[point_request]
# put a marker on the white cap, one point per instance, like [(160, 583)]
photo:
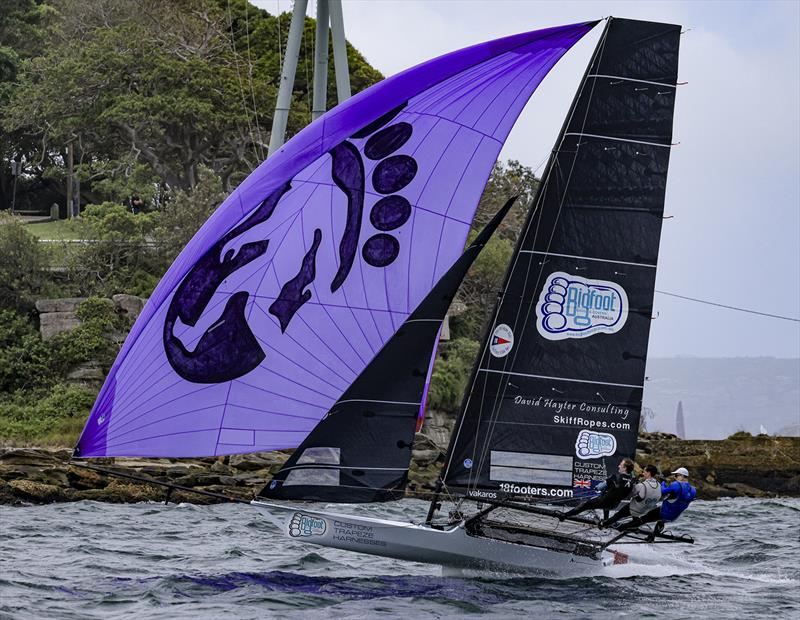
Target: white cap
[(682, 471)]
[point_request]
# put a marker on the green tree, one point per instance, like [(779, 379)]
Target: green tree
[(24, 358), (184, 213), (22, 266), (118, 256), (451, 372), (150, 91), (22, 36), (478, 292)]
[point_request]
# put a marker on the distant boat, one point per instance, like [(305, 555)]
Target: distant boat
[(281, 326), (680, 425)]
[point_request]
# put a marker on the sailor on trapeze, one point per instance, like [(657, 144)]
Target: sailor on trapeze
[(646, 496), (677, 496), (615, 488)]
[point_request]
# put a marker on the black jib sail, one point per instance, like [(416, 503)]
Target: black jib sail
[(555, 398), (361, 450)]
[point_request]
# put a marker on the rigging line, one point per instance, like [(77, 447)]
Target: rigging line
[(239, 80), (495, 412), (305, 65), (280, 42), (737, 308), (250, 79)]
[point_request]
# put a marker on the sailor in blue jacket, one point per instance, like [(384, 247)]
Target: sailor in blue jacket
[(677, 496)]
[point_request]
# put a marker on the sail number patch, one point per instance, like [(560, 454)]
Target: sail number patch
[(573, 307)]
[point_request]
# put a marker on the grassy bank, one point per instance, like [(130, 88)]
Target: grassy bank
[(60, 230), (48, 417)]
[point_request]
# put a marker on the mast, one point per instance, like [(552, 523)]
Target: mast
[(532, 208)]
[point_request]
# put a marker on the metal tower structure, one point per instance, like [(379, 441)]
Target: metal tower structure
[(329, 14)]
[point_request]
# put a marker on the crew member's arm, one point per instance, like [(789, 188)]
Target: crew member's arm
[(668, 492), (607, 485)]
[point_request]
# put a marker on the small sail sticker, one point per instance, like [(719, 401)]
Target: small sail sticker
[(502, 340), (574, 307), (593, 445)]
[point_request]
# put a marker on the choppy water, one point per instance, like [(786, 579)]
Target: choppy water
[(92, 560)]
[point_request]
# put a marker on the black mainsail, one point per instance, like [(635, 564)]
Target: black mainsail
[(556, 395), (361, 450)]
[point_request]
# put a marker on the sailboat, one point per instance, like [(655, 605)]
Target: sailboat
[(305, 313)]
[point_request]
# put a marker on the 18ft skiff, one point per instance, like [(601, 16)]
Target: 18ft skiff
[(305, 313)]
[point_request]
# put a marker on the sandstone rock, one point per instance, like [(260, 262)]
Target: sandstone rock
[(36, 492), (746, 490), (33, 456), (424, 442), (59, 305), (54, 323), (220, 468), (82, 479), (257, 460), (87, 372), (252, 479), (197, 479), (425, 457), (130, 304)]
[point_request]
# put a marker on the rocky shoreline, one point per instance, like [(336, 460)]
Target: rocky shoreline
[(743, 466)]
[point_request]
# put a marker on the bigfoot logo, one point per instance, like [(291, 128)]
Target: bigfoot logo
[(304, 525), (574, 307)]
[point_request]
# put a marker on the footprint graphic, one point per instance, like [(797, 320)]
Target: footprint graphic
[(294, 525), (392, 174), (553, 308), (592, 445)]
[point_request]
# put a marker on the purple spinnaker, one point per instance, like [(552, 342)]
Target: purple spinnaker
[(292, 286)]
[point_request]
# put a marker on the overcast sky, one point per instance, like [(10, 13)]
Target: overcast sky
[(734, 182)]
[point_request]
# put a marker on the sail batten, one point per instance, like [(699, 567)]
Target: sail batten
[(303, 274)]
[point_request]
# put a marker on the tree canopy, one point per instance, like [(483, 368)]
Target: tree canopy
[(147, 91)]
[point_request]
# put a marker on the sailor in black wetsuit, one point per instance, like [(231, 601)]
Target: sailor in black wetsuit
[(615, 488)]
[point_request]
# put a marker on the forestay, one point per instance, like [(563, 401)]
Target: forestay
[(311, 265), (555, 399)]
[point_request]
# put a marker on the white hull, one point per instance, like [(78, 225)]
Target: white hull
[(451, 547)]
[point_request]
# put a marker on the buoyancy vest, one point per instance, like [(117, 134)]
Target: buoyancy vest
[(648, 492), (678, 497)]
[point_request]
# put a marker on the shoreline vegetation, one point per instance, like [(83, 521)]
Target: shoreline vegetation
[(740, 466)]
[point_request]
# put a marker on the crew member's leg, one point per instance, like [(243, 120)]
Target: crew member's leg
[(650, 517), (625, 511), (632, 524), (595, 502), (653, 515)]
